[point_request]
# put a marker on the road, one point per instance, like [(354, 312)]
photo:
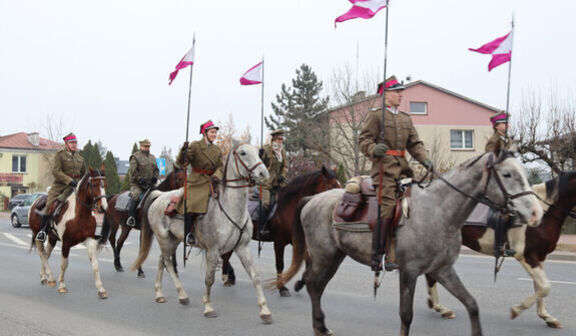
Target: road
[(28, 308)]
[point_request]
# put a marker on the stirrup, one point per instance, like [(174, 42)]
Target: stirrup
[(131, 222), (509, 252), (190, 239), (41, 236), (390, 266)]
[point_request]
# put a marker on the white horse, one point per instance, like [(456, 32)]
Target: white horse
[(225, 227)]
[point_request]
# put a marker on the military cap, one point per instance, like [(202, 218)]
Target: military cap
[(208, 125), (277, 132), (391, 85), (499, 118), (70, 137), (145, 142)]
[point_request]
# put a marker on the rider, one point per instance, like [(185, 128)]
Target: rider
[(205, 158), (388, 148), (67, 168), (500, 126), (273, 156), (143, 175)]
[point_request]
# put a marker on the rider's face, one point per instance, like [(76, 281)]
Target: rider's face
[(211, 134), (393, 98), (72, 145)]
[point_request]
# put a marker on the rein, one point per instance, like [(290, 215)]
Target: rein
[(96, 199)]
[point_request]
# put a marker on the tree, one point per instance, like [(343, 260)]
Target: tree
[(126, 180), (91, 154), (112, 179), (228, 137), (166, 154), (302, 113)]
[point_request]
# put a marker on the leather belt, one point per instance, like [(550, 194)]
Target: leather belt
[(202, 171), (394, 152)]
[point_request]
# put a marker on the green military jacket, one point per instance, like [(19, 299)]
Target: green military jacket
[(399, 134), (143, 166), (495, 138), (67, 166), (205, 160), (275, 168)]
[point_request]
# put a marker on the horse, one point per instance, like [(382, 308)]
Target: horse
[(428, 240), (74, 225), (560, 194), (281, 222), (225, 227), (113, 218)]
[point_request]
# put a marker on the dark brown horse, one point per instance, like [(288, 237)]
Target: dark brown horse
[(114, 219), (560, 197), (281, 222), (74, 225)]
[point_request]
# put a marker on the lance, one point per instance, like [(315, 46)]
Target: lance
[(509, 72), (186, 229), (261, 215)]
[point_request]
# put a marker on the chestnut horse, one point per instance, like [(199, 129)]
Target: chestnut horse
[(560, 195), (114, 219), (281, 222), (75, 224)]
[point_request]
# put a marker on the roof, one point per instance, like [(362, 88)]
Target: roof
[(25, 140)]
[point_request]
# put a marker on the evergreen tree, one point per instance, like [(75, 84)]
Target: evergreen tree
[(302, 113), (91, 154), (126, 180), (112, 179)]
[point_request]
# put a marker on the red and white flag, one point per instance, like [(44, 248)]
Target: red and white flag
[(364, 9), (252, 76), (187, 60), (500, 49)]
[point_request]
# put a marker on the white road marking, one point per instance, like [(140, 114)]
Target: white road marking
[(552, 281), (16, 239)]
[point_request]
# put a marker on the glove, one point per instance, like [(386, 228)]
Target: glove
[(142, 181), (214, 180), (428, 164), (380, 150), (154, 180), (261, 153), (73, 183), (185, 145), (281, 179)]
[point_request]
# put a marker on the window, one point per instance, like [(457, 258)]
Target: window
[(18, 163), (418, 108), (461, 139)]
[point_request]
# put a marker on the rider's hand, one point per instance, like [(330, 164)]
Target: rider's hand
[(73, 183), (141, 181), (281, 179), (261, 153), (185, 145), (380, 150), (214, 179), (154, 180)]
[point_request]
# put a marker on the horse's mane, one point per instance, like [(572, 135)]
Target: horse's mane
[(166, 180), (562, 179), (295, 186)]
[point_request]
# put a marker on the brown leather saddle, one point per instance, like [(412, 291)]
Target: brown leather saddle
[(358, 212), (54, 209)]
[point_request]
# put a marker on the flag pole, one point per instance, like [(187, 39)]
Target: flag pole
[(376, 255), (186, 168), (510, 70), (261, 147)]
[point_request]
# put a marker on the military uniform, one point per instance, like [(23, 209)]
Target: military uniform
[(278, 170), (494, 139), (68, 166), (143, 172)]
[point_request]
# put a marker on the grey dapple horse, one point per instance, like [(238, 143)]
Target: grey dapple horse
[(428, 241), (225, 227)]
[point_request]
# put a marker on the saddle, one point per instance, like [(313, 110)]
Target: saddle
[(254, 209), (56, 208), (124, 197)]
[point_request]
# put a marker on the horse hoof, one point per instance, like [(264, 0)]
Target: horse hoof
[(43, 282), (448, 315), (102, 295), (63, 290), (161, 299), (52, 283), (284, 292), (299, 285), (328, 332), (430, 304), (210, 314), (554, 324), (266, 318), (513, 314), (184, 301), (141, 275), (119, 268)]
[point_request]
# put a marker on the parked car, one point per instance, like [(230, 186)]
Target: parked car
[(19, 214), (17, 200)]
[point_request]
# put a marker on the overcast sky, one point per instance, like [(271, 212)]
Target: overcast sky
[(101, 67)]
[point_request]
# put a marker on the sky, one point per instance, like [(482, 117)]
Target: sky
[(100, 68)]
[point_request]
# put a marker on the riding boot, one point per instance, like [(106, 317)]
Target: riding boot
[(390, 258), (41, 235), (263, 229), (378, 244), (131, 221), (189, 219)]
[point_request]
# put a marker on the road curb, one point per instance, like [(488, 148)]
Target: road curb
[(556, 255)]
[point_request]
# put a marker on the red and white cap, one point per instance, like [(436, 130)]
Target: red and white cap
[(391, 85)]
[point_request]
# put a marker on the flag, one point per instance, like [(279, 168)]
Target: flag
[(365, 9), (252, 76), (187, 60), (500, 49)]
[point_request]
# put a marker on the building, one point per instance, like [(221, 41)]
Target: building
[(453, 127), (25, 160)]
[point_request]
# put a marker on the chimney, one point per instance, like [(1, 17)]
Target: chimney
[(34, 138)]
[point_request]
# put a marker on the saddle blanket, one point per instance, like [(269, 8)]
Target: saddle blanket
[(254, 210), (479, 216), (124, 198)]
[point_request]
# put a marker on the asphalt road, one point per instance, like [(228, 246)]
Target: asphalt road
[(28, 308)]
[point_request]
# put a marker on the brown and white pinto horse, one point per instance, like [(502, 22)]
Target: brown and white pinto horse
[(280, 224), (75, 224), (559, 195), (114, 219)]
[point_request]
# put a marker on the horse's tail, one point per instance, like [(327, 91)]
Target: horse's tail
[(105, 231), (146, 233), (298, 246)]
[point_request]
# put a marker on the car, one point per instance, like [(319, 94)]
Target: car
[(17, 200), (19, 214)]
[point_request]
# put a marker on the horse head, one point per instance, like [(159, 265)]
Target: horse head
[(506, 186), (244, 162), (329, 180), (91, 191), (174, 180)]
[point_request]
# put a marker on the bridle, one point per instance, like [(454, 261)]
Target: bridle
[(95, 200), (246, 180)]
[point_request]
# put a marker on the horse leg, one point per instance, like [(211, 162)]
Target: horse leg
[(316, 276), (212, 259), (160, 298), (63, 266), (245, 256), (434, 299), (46, 275), (112, 241), (450, 280), (123, 235), (166, 260), (541, 290), (228, 276), (407, 288), (279, 254), (92, 247)]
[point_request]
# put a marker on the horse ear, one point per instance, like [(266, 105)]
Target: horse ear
[(513, 148), (325, 171), (90, 169), (102, 167)]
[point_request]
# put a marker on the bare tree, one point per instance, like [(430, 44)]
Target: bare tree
[(228, 135), (547, 132), (54, 129)]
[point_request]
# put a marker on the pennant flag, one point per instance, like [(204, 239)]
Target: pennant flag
[(500, 49), (187, 60), (252, 76), (364, 9)]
